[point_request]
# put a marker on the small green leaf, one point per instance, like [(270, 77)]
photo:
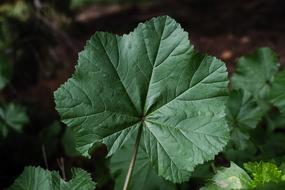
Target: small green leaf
[(151, 78), (263, 172), (230, 178), (5, 70), (277, 94), (255, 72), (36, 178), (243, 114), (13, 117), (242, 110), (81, 180), (144, 176), (239, 139)]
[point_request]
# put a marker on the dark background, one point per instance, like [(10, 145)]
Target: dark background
[(223, 28)]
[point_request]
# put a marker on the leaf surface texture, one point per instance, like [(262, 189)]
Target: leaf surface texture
[(154, 79)]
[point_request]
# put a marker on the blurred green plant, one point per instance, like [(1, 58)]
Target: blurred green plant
[(36, 178), (256, 88), (263, 174), (12, 117)]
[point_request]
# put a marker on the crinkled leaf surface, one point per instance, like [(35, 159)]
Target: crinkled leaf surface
[(12, 116), (36, 178), (255, 72), (151, 78), (277, 94), (243, 114), (144, 177), (5, 70), (263, 172), (230, 178), (81, 180)]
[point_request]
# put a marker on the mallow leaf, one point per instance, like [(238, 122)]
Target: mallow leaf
[(263, 172), (255, 72), (144, 176), (230, 178), (12, 117), (152, 79), (35, 178), (81, 180), (242, 110), (243, 114), (5, 70), (277, 94)]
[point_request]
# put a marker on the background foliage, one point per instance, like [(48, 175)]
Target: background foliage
[(39, 42)]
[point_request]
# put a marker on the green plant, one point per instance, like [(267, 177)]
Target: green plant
[(256, 87), (151, 84), (162, 109), (234, 177), (35, 178), (12, 117)]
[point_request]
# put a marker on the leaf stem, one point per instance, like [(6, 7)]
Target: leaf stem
[(133, 159), (213, 167)]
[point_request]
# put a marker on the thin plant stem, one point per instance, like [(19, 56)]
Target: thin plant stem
[(45, 156), (60, 162), (213, 167), (133, 159)]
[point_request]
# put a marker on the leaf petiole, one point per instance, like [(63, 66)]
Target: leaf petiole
[(133, 159)]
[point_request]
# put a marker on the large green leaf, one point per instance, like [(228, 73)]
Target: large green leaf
[(230, 178), (144, 177), (151, 78), (5, 70), (12, 116), (255, 72), (277, 94), (36, 178)]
